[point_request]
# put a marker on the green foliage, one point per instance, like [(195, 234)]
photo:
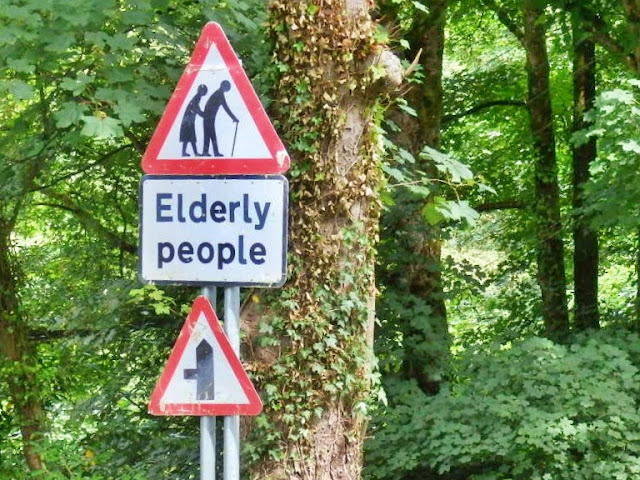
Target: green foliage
[(405, 12), (613, 193), (491, 300), (407, 182), (83, 85), (532, 410)]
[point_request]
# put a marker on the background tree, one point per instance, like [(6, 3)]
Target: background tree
[(83, 87), (585, 237), (412, 284)]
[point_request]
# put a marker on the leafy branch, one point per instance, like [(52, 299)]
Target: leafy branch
[(88, 220)]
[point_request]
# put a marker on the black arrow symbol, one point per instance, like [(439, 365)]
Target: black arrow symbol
[(203, 373)]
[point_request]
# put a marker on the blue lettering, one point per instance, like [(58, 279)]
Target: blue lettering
[(161, 207)]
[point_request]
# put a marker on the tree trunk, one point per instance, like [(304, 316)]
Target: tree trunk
[(551, 270), (316, 377), (637, 299), (632, 13), (14, 349), (585, 238), (426, 345)]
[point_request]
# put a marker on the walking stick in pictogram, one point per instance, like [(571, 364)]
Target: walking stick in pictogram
[(235, 135)]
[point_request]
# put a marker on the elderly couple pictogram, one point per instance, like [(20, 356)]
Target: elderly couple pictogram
[(208, 114)]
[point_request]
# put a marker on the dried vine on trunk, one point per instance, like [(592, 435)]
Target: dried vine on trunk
[(313, 351)]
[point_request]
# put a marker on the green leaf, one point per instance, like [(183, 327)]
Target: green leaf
[(431, 211), (129, 112), (21, 65), (447, 164), (101, 128), (395, 173), (77, 85), (19, 89), (458, 210), (70, 114), (404, 156), (420, 190), (420, 6), (404, 106), (630, 146)]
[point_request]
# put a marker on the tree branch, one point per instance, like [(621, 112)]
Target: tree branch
[(595, 25), (501, 205), (101, 160), (505, 19), (90, 222), (483, 106)]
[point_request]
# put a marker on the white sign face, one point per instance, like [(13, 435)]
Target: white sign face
[(227, 230), (220, 122), (184, 389), (214, 122), (203, 375)]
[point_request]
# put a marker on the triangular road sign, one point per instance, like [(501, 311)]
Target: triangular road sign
[(203, 376), (214, 122)]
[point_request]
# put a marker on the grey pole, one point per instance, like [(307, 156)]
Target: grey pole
[(231, 456), (208, 424)]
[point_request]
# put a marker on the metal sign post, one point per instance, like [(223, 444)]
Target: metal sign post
[(213, 219), (208, 423), (231, 456)]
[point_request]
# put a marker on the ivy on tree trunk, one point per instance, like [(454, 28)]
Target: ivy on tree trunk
[(16, 352), (313, 338), (551, 270)]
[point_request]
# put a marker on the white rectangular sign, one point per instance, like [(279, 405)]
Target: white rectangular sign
[(222, 230)]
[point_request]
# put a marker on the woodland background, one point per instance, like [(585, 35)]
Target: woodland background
[(487, 202)]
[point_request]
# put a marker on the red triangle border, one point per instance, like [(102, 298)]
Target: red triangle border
[(212, 33), (254, 407)]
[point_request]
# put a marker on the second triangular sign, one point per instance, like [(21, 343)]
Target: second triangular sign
[(203, 376), (214, 122)]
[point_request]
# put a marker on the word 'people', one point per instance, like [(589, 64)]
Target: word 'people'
[(209, 113)]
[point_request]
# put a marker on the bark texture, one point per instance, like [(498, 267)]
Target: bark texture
[(15, 349), (426, 340), (315, 371), (551, 270), (585, 238)]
